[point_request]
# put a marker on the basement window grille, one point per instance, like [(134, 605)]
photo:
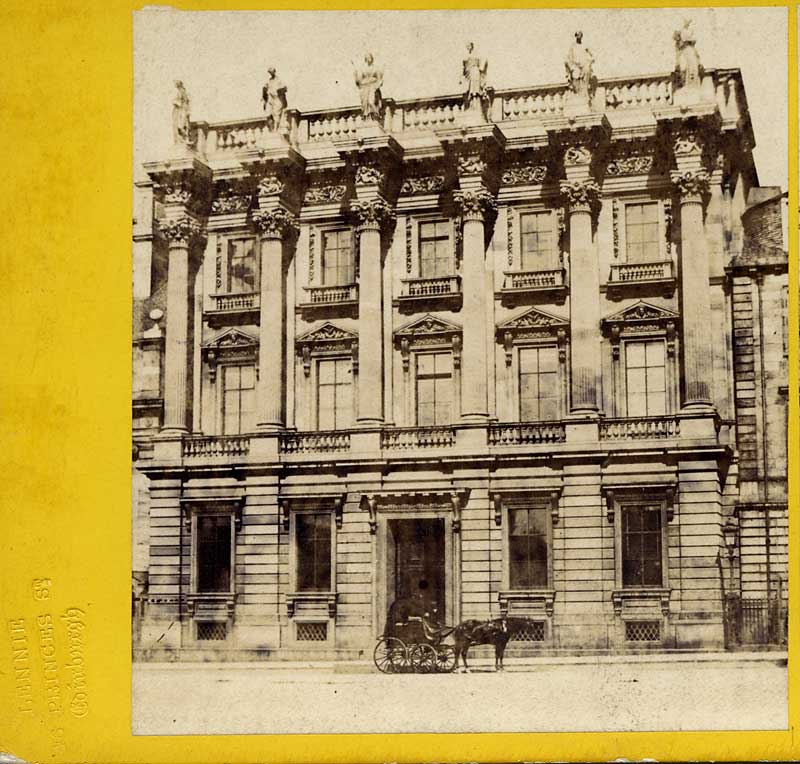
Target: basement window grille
[(212, 631), (533, 633), (312, 632), (642, 631)]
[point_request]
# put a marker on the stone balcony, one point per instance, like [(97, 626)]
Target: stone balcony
[(429, 292), (626, 278), (330, 299), (234, 307), (526, 433), (399, 438), (232, 447), (550, 284), (640, 428), (314, 442)]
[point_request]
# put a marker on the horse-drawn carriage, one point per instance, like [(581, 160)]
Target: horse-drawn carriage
[(413, 642)]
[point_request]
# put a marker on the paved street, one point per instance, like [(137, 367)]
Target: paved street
[(594, 694)]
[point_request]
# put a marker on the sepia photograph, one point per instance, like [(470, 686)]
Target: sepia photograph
[(460, 371)]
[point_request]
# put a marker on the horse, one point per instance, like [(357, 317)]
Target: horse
[(496, 631)]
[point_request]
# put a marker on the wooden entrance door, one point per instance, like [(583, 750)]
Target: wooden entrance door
[(419, 564)]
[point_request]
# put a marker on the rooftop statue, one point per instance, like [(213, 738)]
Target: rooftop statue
[(369, 80), (578, 64), (474, 77), (687, 61), (180, 115), (273, 99)]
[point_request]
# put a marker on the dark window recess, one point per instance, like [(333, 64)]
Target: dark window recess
[(527, 544), (313, 531), (641, 546), (534, 632), (212, 631), (214, 553), (312, 632)]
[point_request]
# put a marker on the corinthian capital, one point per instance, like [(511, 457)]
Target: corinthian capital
[(180, 231), (474, 205), (580, 195), (691, 185), (372, 215), (275, 224)]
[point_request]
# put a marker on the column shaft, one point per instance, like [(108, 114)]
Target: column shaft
[(474, 406), (271, 357), (584, 313), (177, 337), (696, 304), (370, 327)]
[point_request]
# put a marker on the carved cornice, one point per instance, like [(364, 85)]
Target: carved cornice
[(231, 346), (327, 339), (523, 173), (275, 224), (231, 198), (470, 164), (270, 185), (533, 324), (181, 231), (690, 185), (580, 195), (369, 175), (428, 331), (641, 319), (474, 205), (372, 214), (325, 194), (633, 157), (577, 154)]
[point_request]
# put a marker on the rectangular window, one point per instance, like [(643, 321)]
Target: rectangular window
[(641, 545), (527, 547), (645, 378), (641, 232), (435, 252), (238, 399), (242, 266), (537, 241), (338, 262), (334, 394), (313, 536), (434, 389), (538, 384), (213, 553)]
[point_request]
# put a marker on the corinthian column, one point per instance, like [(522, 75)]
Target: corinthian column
[(690, 187), (180, 234), (474, 206), (581, 198), (372, 216), (274, 226)]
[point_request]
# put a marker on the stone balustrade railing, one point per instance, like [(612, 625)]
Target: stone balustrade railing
[(314, 442), (623, 273), (225, 445), (534, 279), (326, 295), (227, 302), (418, 437), (526, 433), (431, 287), (539, 102), (640, 428)]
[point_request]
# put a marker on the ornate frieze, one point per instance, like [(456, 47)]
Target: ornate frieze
[(580, 195), (533, 324), (577, 154), (424, 184), (474, 205), (687, 141), (523, 174), (270, 185), (218, 266), (180, 231), (641, 318), (690, 185), (372, 214), (635, 157), (276, 223), (428, 331), (470, 164), (409, 235), (312, 247), (510, 219), (228, 201), (325, 194), (615, 226), (369, 175)]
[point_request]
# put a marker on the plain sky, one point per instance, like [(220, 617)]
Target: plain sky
[(222, 57)]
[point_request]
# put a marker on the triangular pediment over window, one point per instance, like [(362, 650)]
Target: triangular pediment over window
[(532, 319), (427, 326), (328, 332), (642, 315), (231, 338)]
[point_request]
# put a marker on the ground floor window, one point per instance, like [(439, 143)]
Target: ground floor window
[(213, 553), (641, 545), (528, 531), (313, 539)]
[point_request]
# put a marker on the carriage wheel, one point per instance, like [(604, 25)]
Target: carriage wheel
[(445, 659), (422, 658), (390, 656)]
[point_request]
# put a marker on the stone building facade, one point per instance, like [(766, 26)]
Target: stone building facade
[(523, 360)]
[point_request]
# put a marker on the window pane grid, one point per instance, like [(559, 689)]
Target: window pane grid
[(238, 399), (313, 532), (536, 240), (213, 553), (434, 389), (528, 552), (641, 545), (334, 394), (435, 252), (338, 264), (538, 384), (645, 378), (242, 266), (641, 232)]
